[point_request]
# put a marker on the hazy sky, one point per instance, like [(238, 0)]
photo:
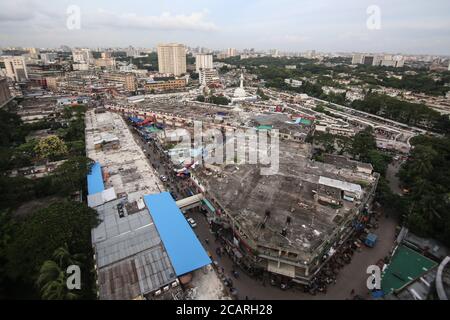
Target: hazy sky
[(406, 26)]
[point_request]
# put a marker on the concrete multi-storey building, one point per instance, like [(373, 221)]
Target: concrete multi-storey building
[(378, 60), (127, 79), (171, 84), (49, 57), (52, 83), (15, 68), (82, 56), (357, 58), (5, 95), (106, 62), (203, 61), (208, 75), (172, 58), (231, 52)]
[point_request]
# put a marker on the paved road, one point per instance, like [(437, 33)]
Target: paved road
[(352, 277), (391, 176)]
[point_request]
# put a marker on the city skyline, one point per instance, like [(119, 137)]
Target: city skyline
[(408, 27)]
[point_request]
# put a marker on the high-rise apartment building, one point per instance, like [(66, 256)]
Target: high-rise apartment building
[(357, 58), (15, 68), (203, 61), (231, 52), (172, 58), (368, 60)]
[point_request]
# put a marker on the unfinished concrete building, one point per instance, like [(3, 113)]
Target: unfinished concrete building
[(289, 223)]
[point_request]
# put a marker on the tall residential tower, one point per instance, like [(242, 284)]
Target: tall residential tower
[(172, 58)]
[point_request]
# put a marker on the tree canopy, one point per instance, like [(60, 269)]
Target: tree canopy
[(426, 174)]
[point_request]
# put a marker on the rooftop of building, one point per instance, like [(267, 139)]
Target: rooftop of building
[(130, 255), (137, 243), (406, 266), (247, 196), (127, 167)]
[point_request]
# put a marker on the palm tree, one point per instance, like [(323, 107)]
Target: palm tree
[(52, 275), (52, 282), (63, 257)]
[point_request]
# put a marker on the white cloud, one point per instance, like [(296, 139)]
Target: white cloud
[(165, 21)]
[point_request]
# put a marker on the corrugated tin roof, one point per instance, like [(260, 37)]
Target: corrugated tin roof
[(343, 185), (130, 256), (185, 250)]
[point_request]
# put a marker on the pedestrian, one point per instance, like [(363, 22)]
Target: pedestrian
[(206, 241), (352, 292)]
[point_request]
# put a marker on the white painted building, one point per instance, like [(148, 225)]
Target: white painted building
[(172, 58), (203, 61), (207, 76)]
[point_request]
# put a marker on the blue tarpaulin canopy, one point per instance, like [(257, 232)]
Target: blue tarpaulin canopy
[(182, 245), (135, 119), (95, 179)]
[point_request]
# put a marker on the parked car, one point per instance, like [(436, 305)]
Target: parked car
[(192, 222)]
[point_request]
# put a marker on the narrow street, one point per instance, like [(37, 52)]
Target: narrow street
[(391, 176), (351, 277)]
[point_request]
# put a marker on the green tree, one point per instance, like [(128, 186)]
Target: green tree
[(51, 148), (52, 277), (40, 234), (71, 175), (362, 142), (426, 173), (52, 282)]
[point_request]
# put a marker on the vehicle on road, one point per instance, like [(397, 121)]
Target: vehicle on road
[(192, 222)]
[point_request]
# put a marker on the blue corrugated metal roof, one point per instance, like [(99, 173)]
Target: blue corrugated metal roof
[(182, 245), (95, 179)]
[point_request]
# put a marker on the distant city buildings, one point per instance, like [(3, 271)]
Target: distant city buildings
[(203, 61), (378, 60), (132, 52), (172, 58), (231, 52), (274, 53), (357, 58), (310, 54), (83, 56), (106, 61), (48, 58), (126, 79)]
